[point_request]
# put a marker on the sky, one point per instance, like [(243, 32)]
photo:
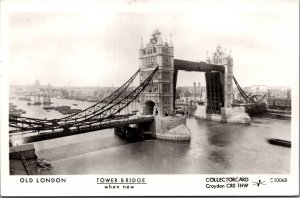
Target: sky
[(94, 48)]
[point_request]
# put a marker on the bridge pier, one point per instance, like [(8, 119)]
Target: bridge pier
[(171, 128), (163, 127), (132, 133), (229, 115)]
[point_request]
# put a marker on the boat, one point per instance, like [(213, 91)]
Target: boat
[(47, 100), (14, 113), (280, 142), (24, 98), (75, 104), (281, 115), (28, 103), (37, 100)]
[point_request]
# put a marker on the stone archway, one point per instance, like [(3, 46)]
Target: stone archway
[(149, 107)]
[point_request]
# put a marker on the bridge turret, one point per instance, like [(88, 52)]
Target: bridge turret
[(171, 42), (207, 58), (221, 58), (229, 81), (159, 40), (158, 95), (166, 43)]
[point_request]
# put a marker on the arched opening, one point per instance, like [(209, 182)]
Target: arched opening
[(149, 107), (211, 94)]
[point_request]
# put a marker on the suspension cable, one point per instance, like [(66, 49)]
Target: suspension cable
[(119, 105), (244, 95)]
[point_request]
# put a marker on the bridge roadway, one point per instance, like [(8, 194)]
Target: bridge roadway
[(33, 136)]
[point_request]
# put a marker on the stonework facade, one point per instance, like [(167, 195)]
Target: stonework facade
[(220, 57), (158, 95)]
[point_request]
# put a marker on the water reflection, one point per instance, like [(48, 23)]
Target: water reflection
[(78, 148), (220, 157), (176, 149), (219, 138)]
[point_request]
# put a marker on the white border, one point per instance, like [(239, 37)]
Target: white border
[(156, 184)]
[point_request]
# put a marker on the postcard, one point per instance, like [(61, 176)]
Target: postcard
[(149, 98)]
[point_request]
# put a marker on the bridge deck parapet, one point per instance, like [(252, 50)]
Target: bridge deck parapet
[(45, 135)]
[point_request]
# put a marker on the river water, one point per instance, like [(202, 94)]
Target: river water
[(215, 148)]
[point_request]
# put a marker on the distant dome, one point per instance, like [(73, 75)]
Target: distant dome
[(37, 83)]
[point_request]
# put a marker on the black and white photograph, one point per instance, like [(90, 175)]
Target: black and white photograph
[(144, 92)]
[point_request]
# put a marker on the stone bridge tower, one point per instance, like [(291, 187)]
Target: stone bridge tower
[(219, 57), (157, 98)]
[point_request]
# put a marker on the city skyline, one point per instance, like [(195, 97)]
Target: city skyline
[(80, 49)]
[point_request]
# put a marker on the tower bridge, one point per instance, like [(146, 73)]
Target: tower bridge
[(158, 71)]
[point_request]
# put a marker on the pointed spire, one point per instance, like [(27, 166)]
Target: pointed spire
[(142, 46), (166, 43), (159, 40), (230, 55), (171, 43), (207, 58)]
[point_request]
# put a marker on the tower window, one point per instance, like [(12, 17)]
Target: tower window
[(166, 88)]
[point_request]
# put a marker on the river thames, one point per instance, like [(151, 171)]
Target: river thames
[(215, 148)]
